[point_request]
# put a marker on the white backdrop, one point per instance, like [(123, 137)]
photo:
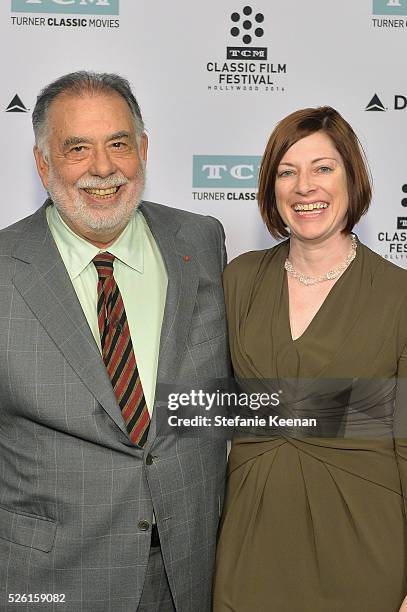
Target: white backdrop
[(336, 52)]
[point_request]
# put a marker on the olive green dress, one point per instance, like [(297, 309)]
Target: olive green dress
[(317, 524)]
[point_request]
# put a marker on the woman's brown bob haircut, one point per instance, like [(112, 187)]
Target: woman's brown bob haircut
[(289, 131)]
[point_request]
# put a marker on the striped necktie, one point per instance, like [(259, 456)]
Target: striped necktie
[(117, 351)]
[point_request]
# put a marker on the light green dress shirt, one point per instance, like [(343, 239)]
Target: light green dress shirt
[(142, 279)]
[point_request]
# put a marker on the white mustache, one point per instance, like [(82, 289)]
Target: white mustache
[(95, 182)]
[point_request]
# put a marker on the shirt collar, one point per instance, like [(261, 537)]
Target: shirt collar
[(77, 253)]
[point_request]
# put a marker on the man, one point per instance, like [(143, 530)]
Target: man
[(102, 297)]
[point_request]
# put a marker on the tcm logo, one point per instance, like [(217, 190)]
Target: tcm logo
[(229, 171), (84, 7), (253, 53), (389, 7), (247, 27), (375, 104)]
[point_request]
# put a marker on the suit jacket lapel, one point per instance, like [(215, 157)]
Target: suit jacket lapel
[(43, 281), (182, 272), (182, 288)]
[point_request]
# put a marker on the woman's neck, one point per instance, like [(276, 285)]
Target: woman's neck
[(314, 258)]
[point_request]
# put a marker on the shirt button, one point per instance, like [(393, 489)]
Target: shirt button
[(149, 459), (144, 525)]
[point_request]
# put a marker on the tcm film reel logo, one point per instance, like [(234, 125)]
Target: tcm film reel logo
[(248, 27), (395, 242), (246, 65)]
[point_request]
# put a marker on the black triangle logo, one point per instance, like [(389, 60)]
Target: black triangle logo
[(375, 104), (16, 106)]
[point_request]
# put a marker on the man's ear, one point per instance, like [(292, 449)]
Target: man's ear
[(143, 147), (42, 166)]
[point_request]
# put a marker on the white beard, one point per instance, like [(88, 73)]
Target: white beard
[(73, 208)]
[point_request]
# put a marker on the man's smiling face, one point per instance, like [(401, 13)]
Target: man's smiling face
[(94, 167)]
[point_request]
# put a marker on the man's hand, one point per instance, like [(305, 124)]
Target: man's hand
[(404, 605)]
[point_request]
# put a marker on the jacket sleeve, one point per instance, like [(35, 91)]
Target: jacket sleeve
[(221, 240)]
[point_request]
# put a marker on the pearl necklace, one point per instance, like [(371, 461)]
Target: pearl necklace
[(330, 275)]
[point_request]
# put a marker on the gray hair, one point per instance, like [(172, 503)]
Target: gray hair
[(80, 83)]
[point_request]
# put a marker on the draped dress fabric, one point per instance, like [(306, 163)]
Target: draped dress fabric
[(317, 524)]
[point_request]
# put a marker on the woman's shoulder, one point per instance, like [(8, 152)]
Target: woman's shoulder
[(245, 263), (248, 264), (383, 269), (388, 281)]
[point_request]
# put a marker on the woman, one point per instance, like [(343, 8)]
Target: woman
[(316, 522)]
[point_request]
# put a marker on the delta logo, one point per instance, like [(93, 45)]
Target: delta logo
[(376, 104), (17, 106)]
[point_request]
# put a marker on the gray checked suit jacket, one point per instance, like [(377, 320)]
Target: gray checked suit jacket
[(76, 497)]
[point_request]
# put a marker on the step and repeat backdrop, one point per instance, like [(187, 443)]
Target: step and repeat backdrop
[(212, 80)]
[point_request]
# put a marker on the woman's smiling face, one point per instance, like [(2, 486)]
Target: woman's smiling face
[(311, 188)]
